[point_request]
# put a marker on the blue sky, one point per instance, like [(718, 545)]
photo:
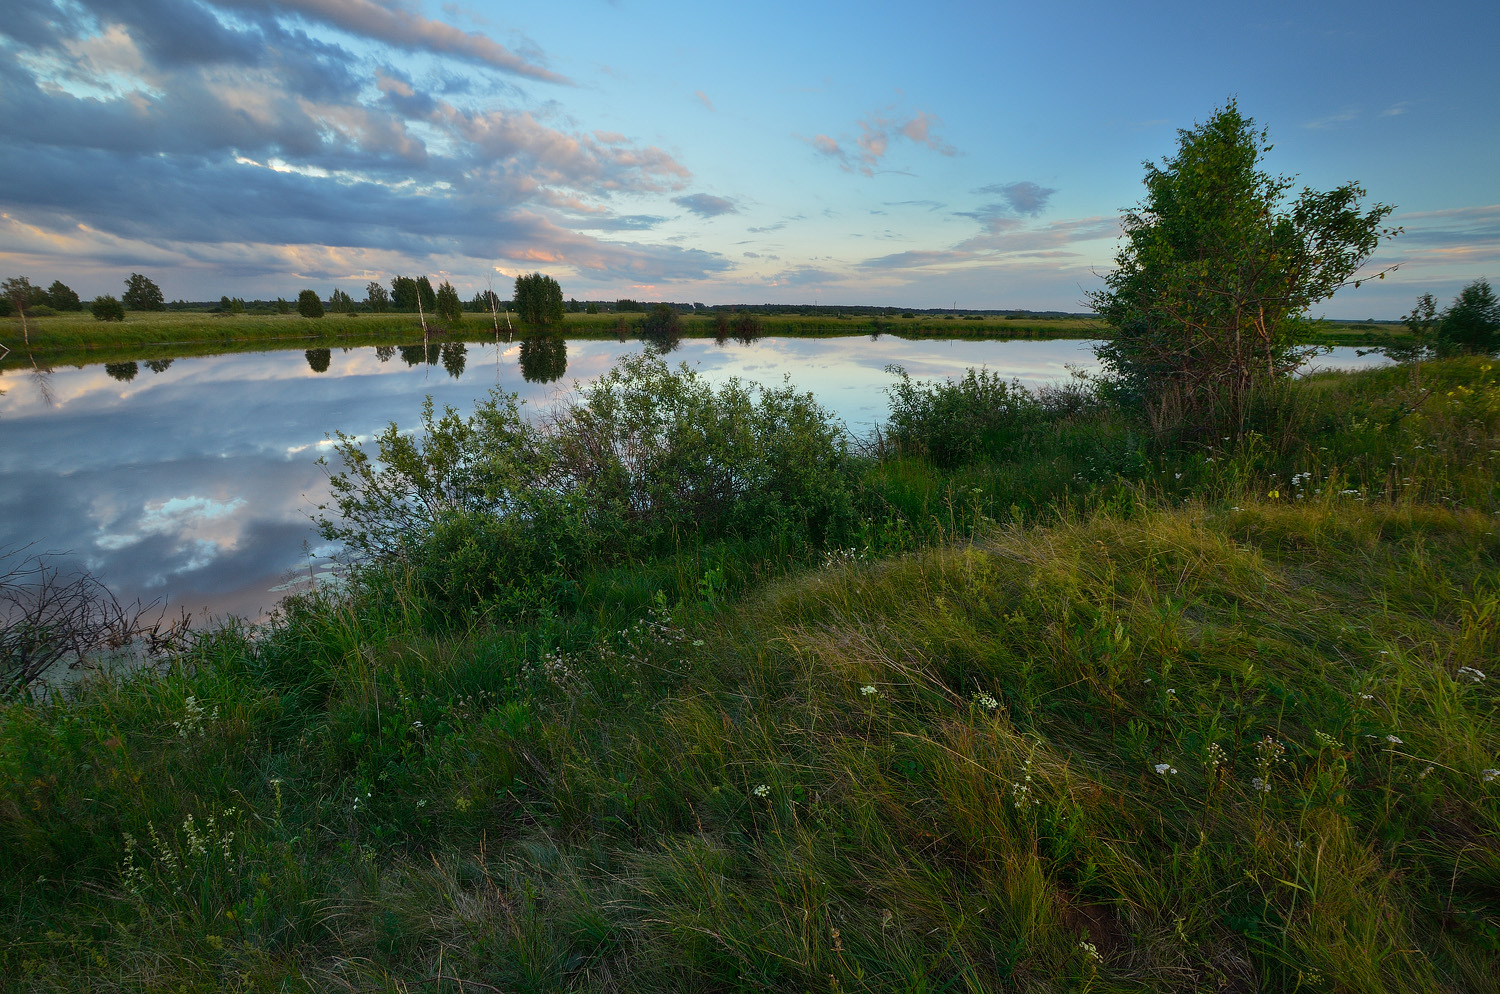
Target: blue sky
[(872, 153)]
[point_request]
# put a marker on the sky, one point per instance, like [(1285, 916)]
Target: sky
[(969, 155)]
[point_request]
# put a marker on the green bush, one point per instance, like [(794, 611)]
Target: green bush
[(308, 304), (107, 308), (954, 422), (497, 508)]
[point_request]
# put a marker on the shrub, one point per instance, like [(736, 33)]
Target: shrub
[(107, 308), (954, 422), (308, 304)]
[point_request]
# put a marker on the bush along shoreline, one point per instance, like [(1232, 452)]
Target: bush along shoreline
[(675, 689)]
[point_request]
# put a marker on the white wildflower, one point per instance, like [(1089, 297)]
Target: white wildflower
[(1165, 768), (1471, 674), (1489, 775), (1091, 951), (1394, 740), (762, 791), (868, 690), (986, 701)]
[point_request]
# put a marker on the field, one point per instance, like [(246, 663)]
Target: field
[(77, 338), (1059, 704)]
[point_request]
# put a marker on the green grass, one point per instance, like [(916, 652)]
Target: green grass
[(924, 758)]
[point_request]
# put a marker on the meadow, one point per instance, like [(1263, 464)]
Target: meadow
[(75, 338), (1025, 696)]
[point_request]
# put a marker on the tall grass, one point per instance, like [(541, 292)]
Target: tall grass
[(1080, 710)]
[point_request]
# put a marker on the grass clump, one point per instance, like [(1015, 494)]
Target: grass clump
[(1134, 716)]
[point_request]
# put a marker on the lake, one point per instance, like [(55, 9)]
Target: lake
[(192, 481)]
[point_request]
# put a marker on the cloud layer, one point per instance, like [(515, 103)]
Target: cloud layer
[(191, 132)]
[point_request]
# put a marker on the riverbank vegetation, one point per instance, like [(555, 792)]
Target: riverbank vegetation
[(1047, 700)]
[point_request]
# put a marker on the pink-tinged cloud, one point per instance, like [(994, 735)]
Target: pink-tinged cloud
[(706, 102), (874, 141), (401, 28)]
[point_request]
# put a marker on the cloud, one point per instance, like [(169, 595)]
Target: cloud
[(877, 130), (400, 28), (705, 205), (1024, 197), (1396, 109), (704, 97), (129, 145), (1332, 120)]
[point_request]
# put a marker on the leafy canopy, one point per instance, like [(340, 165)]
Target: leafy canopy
[(142, 294), (1217, 268), (539, 299)]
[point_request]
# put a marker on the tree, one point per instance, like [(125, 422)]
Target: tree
[(18, 292), (1472, 322), (426, 298), (447, 305), (62, 297), (1217, 269), (543, 358), (455, 355), (404, 294), (662, 328), (122, 371), (318, 359), (340, 302), (107, 308), (283, 306), (539, 299), (141, 294), (376, 298), (309, 305)]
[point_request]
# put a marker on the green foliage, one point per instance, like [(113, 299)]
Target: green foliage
[(662, 327), (340, 302), (122, 371), (107, 308), (1472, 322), (377, 300), (62, 297), (645, 456), (1216, 270), (309, 305), (447, 305), (283, 306), (591, 307), (543, 358), (954, 422), (142, 294), (538, 300), (425, 295), (404, 294), (318, 360)]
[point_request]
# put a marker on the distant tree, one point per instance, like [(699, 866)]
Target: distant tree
[(377, 300), (231, 305), (18, 292), (539, 300), (574, 306), (384, 352), (283, 306), (61, 297), (625, 305), (1472, 322), (485, 300), (662, 328), (122, 371), (544, 358), (591, 308), (425, 295), (318, 359), (340, 302), (309, 305), (413, 355), (404, 294), (455, 356), (141, 294), (447, 305), (1216, 270), (107, 308), (158, 365)]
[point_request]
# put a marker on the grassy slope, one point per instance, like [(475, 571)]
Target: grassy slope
[(630, 800)]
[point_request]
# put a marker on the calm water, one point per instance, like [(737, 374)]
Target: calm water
[(192, 481)]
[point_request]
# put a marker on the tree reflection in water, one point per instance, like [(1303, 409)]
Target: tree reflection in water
[(544, 358)]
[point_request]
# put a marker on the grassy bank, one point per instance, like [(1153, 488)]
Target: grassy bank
[(1058, 705), (77, 338)]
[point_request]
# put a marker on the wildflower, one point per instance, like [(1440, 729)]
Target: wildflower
[(986, 701), (1489, 775), (1394, 740), (1261, 784), (1165, 768), (1367, 697), (1171, 690), (1326, 740), (762, 791), (1471, 674), (1091, 951), (1216, 755), (868, 690), (416, 724)]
